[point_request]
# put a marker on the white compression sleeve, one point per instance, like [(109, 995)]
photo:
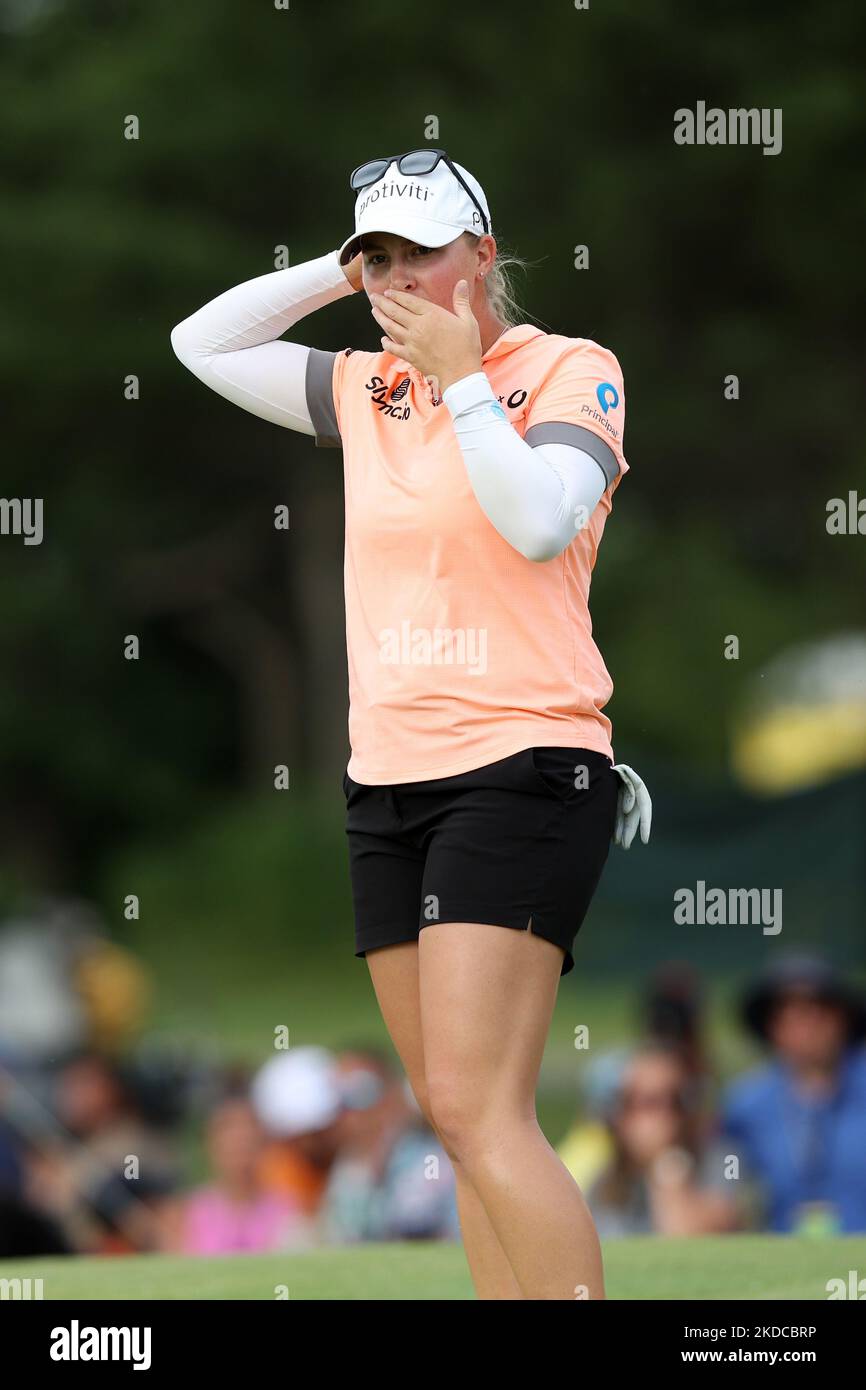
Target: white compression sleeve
[(230, 344), (536, 498)]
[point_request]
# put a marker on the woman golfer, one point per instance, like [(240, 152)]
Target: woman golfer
[(480, 457)]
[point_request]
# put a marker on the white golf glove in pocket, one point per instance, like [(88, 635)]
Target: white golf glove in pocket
[(633, 807)]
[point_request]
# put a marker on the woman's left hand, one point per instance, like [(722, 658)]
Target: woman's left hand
[(634, 809), (436, 342)]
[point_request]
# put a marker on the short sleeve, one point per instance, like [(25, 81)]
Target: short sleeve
[(581, 402), (323, 384)]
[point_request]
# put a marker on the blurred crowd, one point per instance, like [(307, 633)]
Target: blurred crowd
[(100, 1134)]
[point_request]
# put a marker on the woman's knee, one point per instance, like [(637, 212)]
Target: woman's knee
[(464, 1125)]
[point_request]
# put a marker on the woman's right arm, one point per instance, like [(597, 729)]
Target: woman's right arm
[(231, 343)]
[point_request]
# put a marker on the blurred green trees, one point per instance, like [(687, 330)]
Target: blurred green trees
[(703, 262)]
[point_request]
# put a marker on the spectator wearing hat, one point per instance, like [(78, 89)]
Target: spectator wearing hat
[(392, 1180), (296, 1096), (799, 1122)]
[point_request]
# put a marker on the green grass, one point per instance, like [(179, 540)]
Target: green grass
[(743, 1267)]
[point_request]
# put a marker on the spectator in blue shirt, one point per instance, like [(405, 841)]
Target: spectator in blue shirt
[(799, 1122)]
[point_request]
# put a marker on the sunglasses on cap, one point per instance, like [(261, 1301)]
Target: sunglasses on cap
[(413, 162)]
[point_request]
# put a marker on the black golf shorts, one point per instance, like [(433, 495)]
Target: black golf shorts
[(520, 843)]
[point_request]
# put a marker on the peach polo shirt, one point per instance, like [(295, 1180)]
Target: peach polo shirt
[(460, 650)]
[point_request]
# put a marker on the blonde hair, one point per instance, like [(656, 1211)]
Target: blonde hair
[(499, 284)]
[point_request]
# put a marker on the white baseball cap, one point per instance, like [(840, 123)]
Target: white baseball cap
[(430, 209), (297, 1092)]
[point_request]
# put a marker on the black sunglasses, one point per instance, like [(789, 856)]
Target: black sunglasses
[(413, 162)]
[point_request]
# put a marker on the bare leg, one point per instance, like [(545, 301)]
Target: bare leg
[(394, 972), (487, 997)]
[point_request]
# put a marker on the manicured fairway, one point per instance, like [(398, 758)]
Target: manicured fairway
[(727, 1267)]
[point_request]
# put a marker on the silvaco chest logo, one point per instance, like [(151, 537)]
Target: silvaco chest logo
[(387, 400), (391, 401)]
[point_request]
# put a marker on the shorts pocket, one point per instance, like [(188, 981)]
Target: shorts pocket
[(553, 768), (565, 772), (354, 791)]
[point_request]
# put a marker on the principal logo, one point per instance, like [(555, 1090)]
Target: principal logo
[(607, 396), (400, 390)]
